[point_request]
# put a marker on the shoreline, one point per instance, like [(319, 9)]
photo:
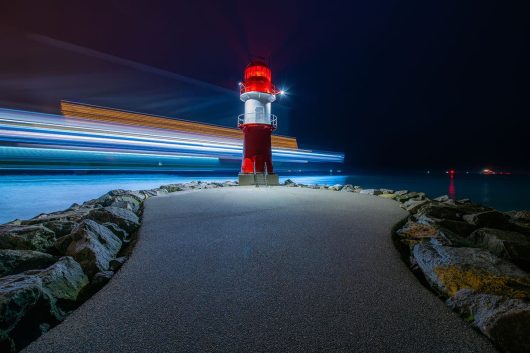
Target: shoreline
[(116, 216)]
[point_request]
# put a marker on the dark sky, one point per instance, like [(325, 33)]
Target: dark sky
[(393, 84)]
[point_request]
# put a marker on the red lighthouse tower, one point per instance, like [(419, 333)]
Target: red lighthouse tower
[(257, 124)]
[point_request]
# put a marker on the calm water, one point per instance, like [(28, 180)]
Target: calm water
[(25, 196)]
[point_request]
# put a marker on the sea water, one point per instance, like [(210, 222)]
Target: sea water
[(25, 196)]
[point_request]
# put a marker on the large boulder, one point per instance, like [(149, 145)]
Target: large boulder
[(75, 214), (131, 200), (123, 218), (522, 218), (412, 205), (33, 298), (64, 280), (492, 219), (440, 211), (60, 227), (289, 182), (461, 228), (412, 233), (93, 246), (509, 245), (155, 192), (26, 237), (442, 198), (371, 192), (505, 321), (450, 269), (418, 196), (16, 261), (519, 221), (22, 297), (348, 188), (450, 210), (336, 187)]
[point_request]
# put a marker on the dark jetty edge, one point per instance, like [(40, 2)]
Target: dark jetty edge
[(474, 258)]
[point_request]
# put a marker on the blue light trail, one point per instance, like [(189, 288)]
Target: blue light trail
[(46, 141)]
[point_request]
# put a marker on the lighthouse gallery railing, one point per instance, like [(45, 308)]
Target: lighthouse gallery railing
[(273, 119)]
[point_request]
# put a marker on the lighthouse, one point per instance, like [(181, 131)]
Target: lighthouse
[(257, 124)]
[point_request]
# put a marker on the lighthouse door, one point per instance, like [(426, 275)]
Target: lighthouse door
[(260, 114)]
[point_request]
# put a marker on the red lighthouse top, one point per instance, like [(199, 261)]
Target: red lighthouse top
[(258, 78)]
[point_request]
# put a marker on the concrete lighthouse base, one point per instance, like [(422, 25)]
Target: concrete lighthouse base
[(246, 179)]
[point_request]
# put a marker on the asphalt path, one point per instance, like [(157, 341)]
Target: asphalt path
[(276, 269)]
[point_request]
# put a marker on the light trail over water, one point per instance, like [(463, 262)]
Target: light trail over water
[(30, 140)]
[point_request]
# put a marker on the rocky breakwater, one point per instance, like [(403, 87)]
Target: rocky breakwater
[(50, 264), (478, 260), (475, 258)]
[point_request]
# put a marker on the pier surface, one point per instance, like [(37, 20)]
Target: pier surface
[(264, 270)]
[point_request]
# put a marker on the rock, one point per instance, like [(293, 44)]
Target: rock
[(118, 195), (460, 228), (348, 188), (230, 183), (101, 278), (172, 187), (20, 297), (336, 187), (26, 237), (35, 299), (155, 192), (75, 214), (448, 211), (442, 198), (16, 261), (130, 200), (388, 196), (503, 320), (401, 192), (62, 244), (463, 201), (505, 244), (412, 233), (450, 269), (289, 182), (492, 219), (519, 221), (371, 191), (387, 191), (463, 229), (418, 196), (123, 218), (64, 280), (413, 206), (117, 263), (60, 228), (519, 216), (120, 233), (93, 246)]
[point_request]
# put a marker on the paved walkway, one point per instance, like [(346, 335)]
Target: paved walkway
[(264, 270)]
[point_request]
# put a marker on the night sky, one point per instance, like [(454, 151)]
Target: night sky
[(394, 84)]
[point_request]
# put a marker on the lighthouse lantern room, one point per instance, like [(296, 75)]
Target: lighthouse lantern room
[(257, 124)]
